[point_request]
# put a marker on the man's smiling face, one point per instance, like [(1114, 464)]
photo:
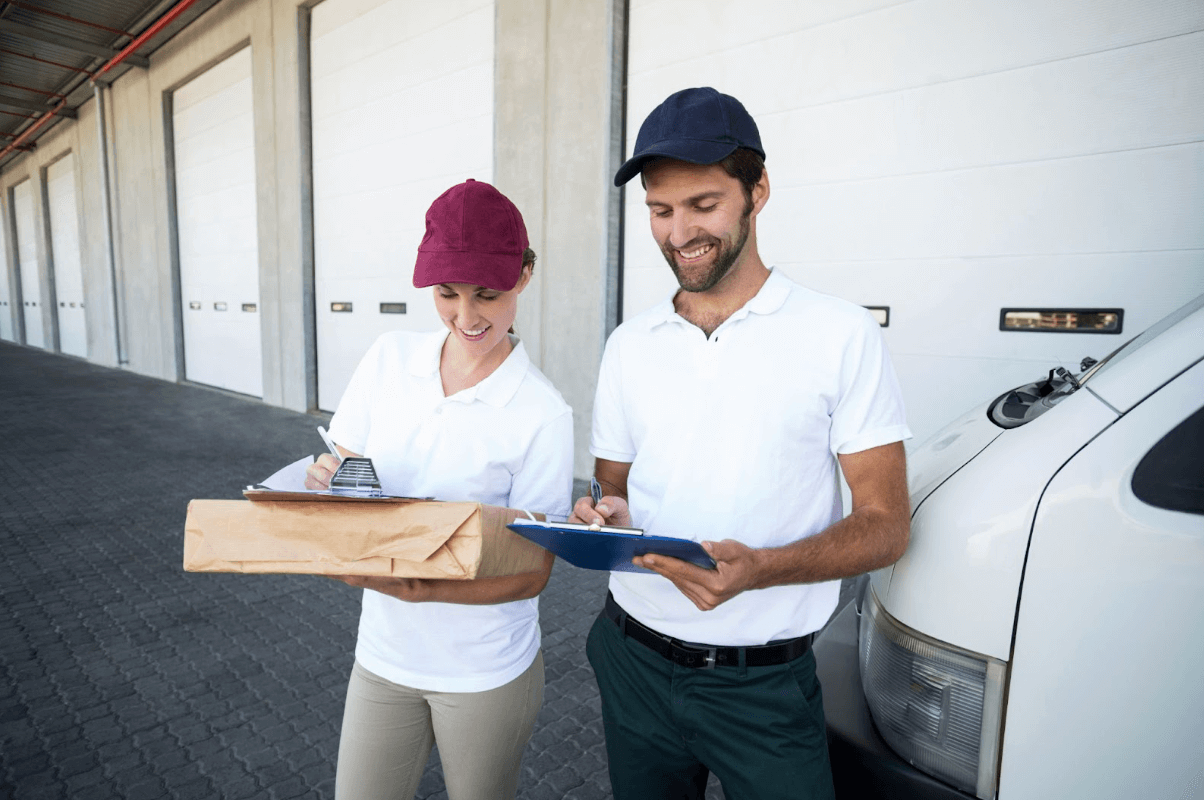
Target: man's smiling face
[(700, 219)]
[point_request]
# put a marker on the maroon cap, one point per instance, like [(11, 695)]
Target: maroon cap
[(475, 235)]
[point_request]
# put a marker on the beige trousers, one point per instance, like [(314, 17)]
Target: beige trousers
[(388, 730)]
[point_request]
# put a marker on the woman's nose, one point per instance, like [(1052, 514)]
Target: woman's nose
[(465, 308)]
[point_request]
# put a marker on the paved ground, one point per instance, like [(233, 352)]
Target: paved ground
[(125, 677), (122, 676)]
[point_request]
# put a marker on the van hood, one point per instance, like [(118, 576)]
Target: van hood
[(974, 490)]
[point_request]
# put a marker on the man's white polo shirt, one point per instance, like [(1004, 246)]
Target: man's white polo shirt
[(508, 441), (735, 436)]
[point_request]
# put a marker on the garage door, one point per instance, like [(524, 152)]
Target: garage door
[(950, 160), (6, 307), (27, 259), (214, 138), (402, 103), (64, 243)]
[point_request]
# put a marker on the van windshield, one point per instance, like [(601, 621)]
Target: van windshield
[(1136, 343)]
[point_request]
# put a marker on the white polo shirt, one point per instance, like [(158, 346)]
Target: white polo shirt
[(735, 436), (507, 441)]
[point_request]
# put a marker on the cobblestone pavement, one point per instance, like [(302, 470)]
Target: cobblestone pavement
[(125, 677)]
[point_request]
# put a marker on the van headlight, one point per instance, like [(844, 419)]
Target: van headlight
[(937, 706)]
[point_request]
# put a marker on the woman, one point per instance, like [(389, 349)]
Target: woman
[(460, 414)]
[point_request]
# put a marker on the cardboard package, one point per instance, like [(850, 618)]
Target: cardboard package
[(326, 535)]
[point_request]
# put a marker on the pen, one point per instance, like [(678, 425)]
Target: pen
[(595, 490), (330, 443)]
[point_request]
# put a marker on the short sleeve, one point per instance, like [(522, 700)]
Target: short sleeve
[(610, 436), (869, 412), (352, 420), (544, 482)]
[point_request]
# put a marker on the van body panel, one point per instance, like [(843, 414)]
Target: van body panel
[(1109, 642), (959, 579)]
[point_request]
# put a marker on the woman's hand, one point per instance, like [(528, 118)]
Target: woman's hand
[(412, 590), (476, 592), (319, 473)]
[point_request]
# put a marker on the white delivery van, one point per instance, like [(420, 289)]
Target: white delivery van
[(1043, 636)]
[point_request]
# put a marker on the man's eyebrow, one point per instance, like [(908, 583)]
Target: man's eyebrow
[(715, 195)]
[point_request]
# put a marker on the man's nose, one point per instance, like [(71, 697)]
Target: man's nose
[(683, 229)]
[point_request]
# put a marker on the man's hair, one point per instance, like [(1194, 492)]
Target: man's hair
[(746, 166), (743, 164), (529, 258)]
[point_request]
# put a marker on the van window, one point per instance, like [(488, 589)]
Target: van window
[(1171, 475)]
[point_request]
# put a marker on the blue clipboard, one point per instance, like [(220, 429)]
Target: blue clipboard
[(609, 548)]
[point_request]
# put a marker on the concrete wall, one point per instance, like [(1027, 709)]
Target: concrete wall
[(553, 115)]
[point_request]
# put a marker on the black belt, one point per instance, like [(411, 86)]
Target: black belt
[(704, 656)]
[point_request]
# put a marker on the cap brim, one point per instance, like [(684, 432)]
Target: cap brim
[(692, 150), (497, 271)]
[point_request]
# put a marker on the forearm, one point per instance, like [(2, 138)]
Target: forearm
[(866, 540), (479, 592), (486, 591)]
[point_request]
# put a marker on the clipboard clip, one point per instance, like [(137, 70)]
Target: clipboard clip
[(356, 477)]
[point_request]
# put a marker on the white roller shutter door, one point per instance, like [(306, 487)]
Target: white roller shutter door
[(949, 159), (213, 129), (402, 108), (27, 258), (64, 243)]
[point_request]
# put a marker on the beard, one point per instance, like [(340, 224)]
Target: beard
[(725, 257)]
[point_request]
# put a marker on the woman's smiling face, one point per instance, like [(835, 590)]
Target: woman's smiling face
[(478, 317)]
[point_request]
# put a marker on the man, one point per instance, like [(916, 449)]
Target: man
[(721, 416)]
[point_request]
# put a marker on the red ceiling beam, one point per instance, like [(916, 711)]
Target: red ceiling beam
[(31, 89), (68, 18), (45, 61), (159, 25)]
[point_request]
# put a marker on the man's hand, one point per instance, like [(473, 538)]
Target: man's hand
[(737, 570), (412, 590), (610, 510)]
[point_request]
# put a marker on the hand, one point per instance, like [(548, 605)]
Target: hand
[(737, 570), (609, 511), (412, 590), (319, 473)]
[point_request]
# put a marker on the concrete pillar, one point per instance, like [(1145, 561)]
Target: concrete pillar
[(294, 332), (552, 157)]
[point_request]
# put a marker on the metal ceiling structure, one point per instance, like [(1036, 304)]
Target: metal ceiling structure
[(52, 52)]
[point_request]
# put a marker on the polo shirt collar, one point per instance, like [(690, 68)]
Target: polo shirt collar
[(768, 299), (496, 390)]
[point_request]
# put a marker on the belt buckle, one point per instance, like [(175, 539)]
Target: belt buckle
[(708, 660)]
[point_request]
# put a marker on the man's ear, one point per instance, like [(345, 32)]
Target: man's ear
[(760, 192)]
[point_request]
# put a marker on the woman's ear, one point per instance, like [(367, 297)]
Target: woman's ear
[(524, 277)]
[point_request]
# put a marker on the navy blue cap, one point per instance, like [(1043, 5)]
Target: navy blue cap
[(700, 125)]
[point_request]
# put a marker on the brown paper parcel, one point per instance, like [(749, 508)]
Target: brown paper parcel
[(405, 539)]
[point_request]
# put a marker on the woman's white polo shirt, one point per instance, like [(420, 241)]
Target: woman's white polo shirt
[(507, 441)]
